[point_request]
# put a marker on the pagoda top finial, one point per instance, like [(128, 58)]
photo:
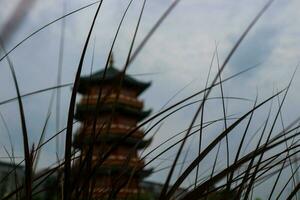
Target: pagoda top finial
[(111, 60)]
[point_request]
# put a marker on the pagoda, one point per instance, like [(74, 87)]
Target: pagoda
[(105, 121)]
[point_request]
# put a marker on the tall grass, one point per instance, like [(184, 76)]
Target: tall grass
[(237, 179)]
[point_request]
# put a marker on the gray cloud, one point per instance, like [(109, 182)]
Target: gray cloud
[(257, 47)]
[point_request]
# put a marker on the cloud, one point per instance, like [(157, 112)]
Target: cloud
[(256, 48)]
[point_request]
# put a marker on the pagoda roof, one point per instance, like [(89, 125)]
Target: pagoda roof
[(111, 139), (109, 170), (115, 169), (112, 74), (108, 108)]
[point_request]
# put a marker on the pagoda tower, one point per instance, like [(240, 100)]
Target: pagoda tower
[(118, 112)]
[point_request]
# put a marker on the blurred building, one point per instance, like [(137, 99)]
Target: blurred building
[(11, 177)]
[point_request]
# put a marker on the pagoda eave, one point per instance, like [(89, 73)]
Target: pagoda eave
[(85, 84), (109, 170), (111, 75), (111, 139), (82, 110)]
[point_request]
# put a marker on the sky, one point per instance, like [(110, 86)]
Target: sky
[(177, 56)]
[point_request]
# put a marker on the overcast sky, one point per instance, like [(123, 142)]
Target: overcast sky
[(179, 53)]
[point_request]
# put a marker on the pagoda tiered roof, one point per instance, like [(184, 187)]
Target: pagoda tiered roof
[(112, 74), (109, 138), (111, 169), (83, 109)]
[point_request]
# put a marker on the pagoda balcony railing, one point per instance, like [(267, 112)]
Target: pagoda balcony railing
[(122, 193), (120, 160), (112, 98), (114, 129)]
